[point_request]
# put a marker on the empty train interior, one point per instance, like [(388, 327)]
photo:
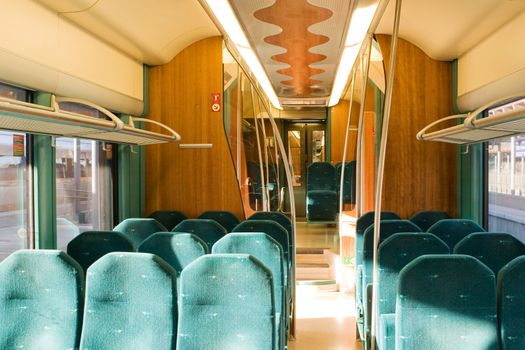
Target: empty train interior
[(271, 174)]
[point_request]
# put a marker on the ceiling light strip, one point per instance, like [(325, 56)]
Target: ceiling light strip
[(365, 18), (223, 13)]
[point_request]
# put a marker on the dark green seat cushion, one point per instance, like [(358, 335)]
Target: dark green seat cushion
[(89, 246), (511, 304), (425, 219), (168, 218), (210, 231), (451, 231), (224, 218)]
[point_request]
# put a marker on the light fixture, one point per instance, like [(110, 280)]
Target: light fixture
[(224, 14), (360, 22)]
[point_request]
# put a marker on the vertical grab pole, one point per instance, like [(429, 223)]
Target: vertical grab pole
[(360, 132), (341, 180), (381, 165), (261, 170)]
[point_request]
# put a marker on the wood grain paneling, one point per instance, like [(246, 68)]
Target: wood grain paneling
[(190, 180), (418, 175), (338, 120)]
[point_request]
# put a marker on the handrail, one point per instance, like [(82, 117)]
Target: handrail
[(119, 124), (132, 120), (477, 112), (421, 134)]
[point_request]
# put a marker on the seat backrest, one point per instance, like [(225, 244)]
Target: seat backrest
[(224, 218), (265, 249), (320, 176), (272, 229), (138, 229), (348, 181), (226, 302), (175, 248), (210, 231), (425, 219), (89, 246), (168, 218), (131, 303), (446, 302), (361, 225), (493, 249), (395, 253), (451, 231), (511, 304), (41, 293), (278, 217), (387, 229)]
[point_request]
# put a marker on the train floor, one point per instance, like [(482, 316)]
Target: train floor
[(325, 319)]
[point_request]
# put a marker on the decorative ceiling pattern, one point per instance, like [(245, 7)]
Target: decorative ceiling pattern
[(298, 42)]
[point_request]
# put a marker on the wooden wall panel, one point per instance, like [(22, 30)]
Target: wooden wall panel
[(339, 115), (418, 175), (190, 180)]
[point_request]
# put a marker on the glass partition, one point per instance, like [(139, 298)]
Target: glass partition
[(14, 194)]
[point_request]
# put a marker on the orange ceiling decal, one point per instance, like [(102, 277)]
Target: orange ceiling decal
[(294, 17)]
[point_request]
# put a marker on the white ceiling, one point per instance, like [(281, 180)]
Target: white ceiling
[(151, 31), (446, 29)]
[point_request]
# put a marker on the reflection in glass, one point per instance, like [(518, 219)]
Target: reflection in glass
[(318, 146), (294, 153), (83, 188), (13, 193)]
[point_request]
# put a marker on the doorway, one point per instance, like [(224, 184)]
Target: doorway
[(306, 144)]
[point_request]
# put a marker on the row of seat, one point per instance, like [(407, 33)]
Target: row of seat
[(492, 250), (225, 301), (420, 221), (171, 218), (398, 249), (453, 302), (324, 188)]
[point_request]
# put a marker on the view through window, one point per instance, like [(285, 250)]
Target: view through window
[(506, 181)]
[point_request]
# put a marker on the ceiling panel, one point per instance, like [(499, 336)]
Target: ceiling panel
[(298, 41)]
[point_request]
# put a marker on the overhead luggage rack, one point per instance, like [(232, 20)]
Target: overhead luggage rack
[(27, 117), (476, 127)]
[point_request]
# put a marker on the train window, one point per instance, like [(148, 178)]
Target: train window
[(14, 195), (84, 187), (15, 93), (506, 181)]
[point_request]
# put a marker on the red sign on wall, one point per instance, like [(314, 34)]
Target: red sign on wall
[(215, 102), (18, 145)]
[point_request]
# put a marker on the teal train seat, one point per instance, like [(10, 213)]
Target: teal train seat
[(446, 302), (131, 303), (226, 302), (270, 253), (168, 218), (177, 249), (210, 231), (349, 188), (274, 230), (451, 231), (41, 293), (425, 219), (89, 246), (279, 218), (387, 229), (224, 218), (138, 229), (361, 225), (493, 249), (322, 203), (511, 304), (394, 253)]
